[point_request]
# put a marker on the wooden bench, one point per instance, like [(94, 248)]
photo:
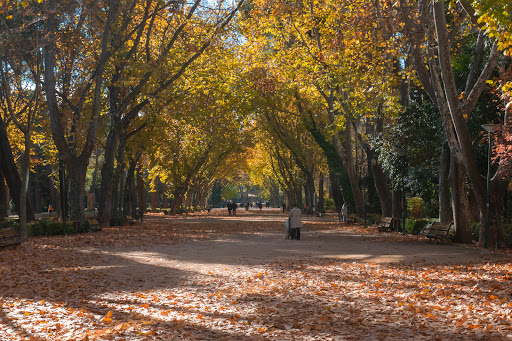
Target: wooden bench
[(386, 224), (93, 224), (436, 230), (9, 236)]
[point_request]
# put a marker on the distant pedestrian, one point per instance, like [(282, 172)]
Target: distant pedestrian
[(344, 212), (283, 206), (295, 222)]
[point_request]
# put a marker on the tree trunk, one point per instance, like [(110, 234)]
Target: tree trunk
[(107, 177), (10, 172), (141, 193), (25, 177), (77, 170), (445, 212), (310, 193), (397, 208), (460, 203), (381, 185), (337, 195), (4, 196), (321, 195)]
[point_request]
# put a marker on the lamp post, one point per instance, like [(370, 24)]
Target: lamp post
[(404, 204), (489, 128)]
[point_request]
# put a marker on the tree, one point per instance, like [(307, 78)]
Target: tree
[(161, 58), (432, 25)]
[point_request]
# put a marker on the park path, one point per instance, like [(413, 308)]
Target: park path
[(213, 276)]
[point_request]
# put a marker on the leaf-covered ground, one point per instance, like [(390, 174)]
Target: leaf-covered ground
[(211, 276)]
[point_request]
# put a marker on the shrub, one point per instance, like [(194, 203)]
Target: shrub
[(372, 219), (117, 221), (475, 230), (415, 206), (507, 235), (49, 227), (329, 204), (414, 226)]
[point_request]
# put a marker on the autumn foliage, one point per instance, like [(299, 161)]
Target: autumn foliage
[(213, 276)]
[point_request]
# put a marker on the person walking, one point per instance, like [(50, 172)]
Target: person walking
[(295, 222), (344, 212)]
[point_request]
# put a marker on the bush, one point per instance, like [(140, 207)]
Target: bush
[(50, 227), (507, 235), (180, 210), (117, 221), (148, 210), (329, 204), (414, 226), (415, 206), (475, 230), (7, 223), (372, 219), (166, 211)]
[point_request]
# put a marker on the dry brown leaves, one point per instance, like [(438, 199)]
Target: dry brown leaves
[(96, 287)]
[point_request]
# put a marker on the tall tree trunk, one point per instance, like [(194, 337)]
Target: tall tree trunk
[(10, 172), (107, 177), (460, 203), (95, 173), (76, 170), (337, 195), (4, 196), (309, 190), (343, 143), (381, 185), (445, 212), (25, 177), (397, 208), (141, 193), (321, 195)]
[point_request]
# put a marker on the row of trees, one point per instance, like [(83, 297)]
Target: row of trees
[(396, 78), (293, 92), (81, 74)]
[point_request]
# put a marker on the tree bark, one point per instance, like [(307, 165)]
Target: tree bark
[(445, 212), (383, 191), (10, 172), (321, 195), (460, 203), (107, 175), (4, 196), (76, 170)]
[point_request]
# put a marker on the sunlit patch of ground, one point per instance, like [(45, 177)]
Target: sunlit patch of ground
[(211, 276)]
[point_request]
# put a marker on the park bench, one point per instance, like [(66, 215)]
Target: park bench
[(9, 236), (93, 224), (386, 224), (436, 230)]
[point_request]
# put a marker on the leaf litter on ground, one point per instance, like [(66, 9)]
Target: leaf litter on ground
[(112, 285)]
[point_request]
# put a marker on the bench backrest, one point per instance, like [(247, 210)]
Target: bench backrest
[(387, 220)]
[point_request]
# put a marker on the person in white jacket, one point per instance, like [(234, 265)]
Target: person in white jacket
[(344, 212), (295, 222)]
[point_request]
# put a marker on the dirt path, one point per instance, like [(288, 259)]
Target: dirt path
[(258, 247), (205, 277)]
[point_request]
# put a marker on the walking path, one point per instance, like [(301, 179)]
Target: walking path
[(213, 276)]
